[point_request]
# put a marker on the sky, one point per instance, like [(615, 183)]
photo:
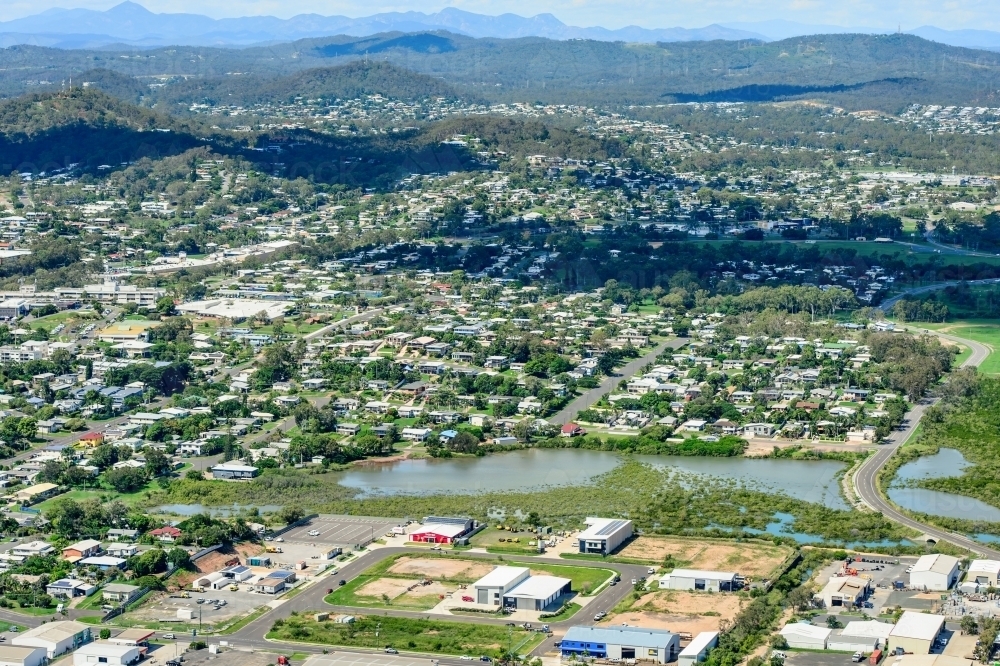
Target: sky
[(881, 14)]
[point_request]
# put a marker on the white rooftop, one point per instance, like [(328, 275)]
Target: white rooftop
[(603, 527), (867, 629), (105, 649), (806, 630), (938, 563), (501, 576), (538, 587), (918, 625), (442, 530), (991, 566), (700, 573), (699, 643)]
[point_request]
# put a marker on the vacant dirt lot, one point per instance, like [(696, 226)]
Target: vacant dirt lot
[(680, 611), (747, 559), (390, 587), (435, 568)]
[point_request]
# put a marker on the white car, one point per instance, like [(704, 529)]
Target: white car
[(314, 533), (466, 657), (280, 539)]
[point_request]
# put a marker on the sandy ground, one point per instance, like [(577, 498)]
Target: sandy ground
[(390, 587), (961, 645), (441, 568), (747, 559), (680, 611)]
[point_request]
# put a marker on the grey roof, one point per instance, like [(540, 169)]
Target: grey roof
[(630, 636), (611, 527)]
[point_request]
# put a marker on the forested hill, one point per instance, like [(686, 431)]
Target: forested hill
[(355, 79), (857, 71)]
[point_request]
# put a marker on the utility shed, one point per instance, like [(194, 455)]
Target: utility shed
[(656, 645), (934, 572), (984, 572), (860, 636), (697, 579), (844, 591), (915, 632), (604, 535), (697, 649), (491, 588), (805, 636)]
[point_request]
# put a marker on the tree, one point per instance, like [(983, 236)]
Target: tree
[(151, 562), (291, 514), (157, 463), (126, 479), (105, 634), (179, 558), (969, 625)]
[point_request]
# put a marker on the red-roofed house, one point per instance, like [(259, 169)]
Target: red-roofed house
[(92, 439), (168, 534), (571, 430)]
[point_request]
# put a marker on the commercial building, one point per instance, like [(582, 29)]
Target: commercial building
[(697, 650), (237, 309), (106, 652), (12, 308), (984, 572), (54, 637), (127, 331), (441, 529), (491, 588), (537, 593), (21, 656), (696, 579), (656, 645), (805, 636), (934, 572), (844, 591), (232, 471), (916, 632), (604, 535), (860, 636)]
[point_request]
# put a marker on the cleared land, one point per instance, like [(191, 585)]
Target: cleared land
[(748, 559), (679, 611), (986, 331), (455, 569)]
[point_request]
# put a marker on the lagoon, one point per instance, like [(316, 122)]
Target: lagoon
[(943, 464)]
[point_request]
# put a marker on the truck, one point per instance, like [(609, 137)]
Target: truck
[(274, 549), (876, 656)]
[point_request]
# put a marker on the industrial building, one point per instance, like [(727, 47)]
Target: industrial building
[(54, 637), (984, 572), (863, 636), (844, 591), (656, 645), (233, 471), (916, 632), (697, 650), (934, 572), (603, 536), (491, 588), (805, 636), (440, 529), (21, 656), (105, 652), (537, 593), (696, 579)]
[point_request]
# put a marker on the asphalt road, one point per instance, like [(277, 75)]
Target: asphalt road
[(865, 478), (585, 400), (915, 291), (353, 319)]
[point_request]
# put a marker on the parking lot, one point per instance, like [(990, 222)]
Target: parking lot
[(163, 608), (343, 531), (883, 574)]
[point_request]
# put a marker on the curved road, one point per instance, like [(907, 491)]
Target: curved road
[(865, 478)]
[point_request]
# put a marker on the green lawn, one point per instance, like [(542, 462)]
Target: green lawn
[(405, 634), (490, 537), (348, 595), (986, 331)]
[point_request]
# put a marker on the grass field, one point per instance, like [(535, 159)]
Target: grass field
[(424, 635), (490, 537), (986, 331)]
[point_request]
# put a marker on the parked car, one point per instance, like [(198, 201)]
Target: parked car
[(390, 650), (170, 636), (857, 657)]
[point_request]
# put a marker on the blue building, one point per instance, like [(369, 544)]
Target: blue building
[(656, 645)]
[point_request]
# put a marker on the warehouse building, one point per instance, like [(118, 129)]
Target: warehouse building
[(805, 636), (442, 529), (21, 656), (984, 572), (697, 650), (54, 637), (105, 652), (537, 593), (696, 579), (491, 588), (844, 591), (604, 535), (860, 636), (656, 645), (916, 632), (934, 572)]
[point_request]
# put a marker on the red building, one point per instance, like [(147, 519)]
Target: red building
[(438, 533)]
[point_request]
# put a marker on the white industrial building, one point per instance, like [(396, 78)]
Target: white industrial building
[(104, 652), (984, 572), (697, 649), (603, 536), (805, 636), (537, 593), (618, 643), (915, 632), (54, 637), (21, 656), (862, 636), (491, 588), (844, 591), (213, 581), (696, 579), (934, 572)]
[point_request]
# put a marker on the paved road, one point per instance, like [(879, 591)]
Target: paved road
[(889, 302), (584, 401), (865, 478), (353, 319)]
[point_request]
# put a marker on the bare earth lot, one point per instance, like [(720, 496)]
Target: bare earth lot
[(680, 611), (441, 568), (747, 559)]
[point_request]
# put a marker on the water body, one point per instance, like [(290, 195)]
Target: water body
[(946, 463), (217, 511), (531, 469)]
